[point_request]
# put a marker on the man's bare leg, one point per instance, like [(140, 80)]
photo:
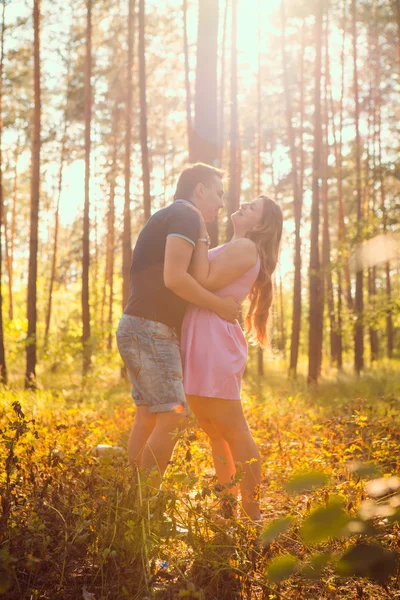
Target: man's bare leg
[(161, 443), (143, 425)]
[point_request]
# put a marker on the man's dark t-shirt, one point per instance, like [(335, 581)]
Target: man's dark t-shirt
[(149, 298)]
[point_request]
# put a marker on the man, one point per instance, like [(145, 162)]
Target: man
[(160, 288)]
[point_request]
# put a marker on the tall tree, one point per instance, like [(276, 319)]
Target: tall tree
[(221, 120), (57, 209), (126, 235), (111, 221), (187, 80), (359, 301), (34, 210), (234, 150), (204, 146), (260, 354), (326, 238), (297, 192), (88, 97), (11, 235), (143, 114), (316, 307), (388, 282), (3, 366)]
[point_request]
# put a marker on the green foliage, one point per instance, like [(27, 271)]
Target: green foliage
[(306, 482), (74, 519), (324, 522), (281, 568)]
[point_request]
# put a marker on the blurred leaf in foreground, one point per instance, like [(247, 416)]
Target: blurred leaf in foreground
[(306, 482), (324, 522), (313, 570), (368, 560), (275, 528), (281, 568)]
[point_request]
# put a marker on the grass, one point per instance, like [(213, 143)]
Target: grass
[(75, 525)]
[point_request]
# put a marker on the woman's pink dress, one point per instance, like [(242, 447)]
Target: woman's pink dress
[(214, 352)]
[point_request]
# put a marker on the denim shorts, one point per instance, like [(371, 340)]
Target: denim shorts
[(151, 353)]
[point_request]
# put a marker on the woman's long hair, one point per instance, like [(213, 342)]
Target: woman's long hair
[(267, 237)]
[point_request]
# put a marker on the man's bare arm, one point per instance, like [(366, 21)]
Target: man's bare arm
[(178, 253)]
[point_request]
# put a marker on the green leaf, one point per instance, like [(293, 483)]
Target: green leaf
[(275, 528), (324, 522), (368, 560), (313, 570), (306, 482), (281, 568), (364, 469)]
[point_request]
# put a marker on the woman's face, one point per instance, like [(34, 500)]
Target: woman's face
[(249, 215)]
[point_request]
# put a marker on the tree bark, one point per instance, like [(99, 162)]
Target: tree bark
[(56, 233), (31, 348), (126, 236), (233, 189), (326, 241), (187, 79), (260, 354), (143, 114), (3, 365), (205, 132), (359, 301), (316, 307), (297, 193), (389, 314), (221, 121), (86, 223), (10, 237), (111, 223)]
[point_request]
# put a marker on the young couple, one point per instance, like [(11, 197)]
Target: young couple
[(179, 336)]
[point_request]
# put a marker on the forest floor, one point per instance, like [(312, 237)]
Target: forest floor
[(77, 525)]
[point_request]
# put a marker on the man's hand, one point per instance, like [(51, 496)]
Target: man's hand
[(230, 309)]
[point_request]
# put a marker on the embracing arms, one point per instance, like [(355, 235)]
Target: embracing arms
[(235, 259), (178, 254)]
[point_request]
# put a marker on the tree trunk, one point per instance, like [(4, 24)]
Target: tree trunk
[(205, 133), (221, 128), (187, 79), (126, 236), (359, 301), (56, 233), (397, 11), (258, 167), (11, 240), (326, 242), (233, 189), (143, 114), (316, 307), (389, 315), (369, 206), (111, 223), (297, 195), (31, 347), (86, 223), (3, 366)]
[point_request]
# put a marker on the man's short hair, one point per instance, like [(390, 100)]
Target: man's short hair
[(194, 174)]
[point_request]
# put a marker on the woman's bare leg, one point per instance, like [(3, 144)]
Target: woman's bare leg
[(224, 464), (227, 418)]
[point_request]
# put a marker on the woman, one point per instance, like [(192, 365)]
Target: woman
[(214, 352)]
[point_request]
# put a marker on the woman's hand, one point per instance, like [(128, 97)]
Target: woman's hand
[(203, 227)]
